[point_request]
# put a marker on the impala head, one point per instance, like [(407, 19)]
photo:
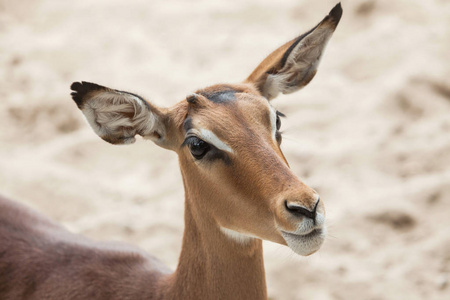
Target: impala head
[(228, 141)]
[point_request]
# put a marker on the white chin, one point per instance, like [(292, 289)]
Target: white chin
[(305, 244)]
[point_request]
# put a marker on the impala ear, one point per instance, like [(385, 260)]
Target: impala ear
[(118, 116), (293, 65)]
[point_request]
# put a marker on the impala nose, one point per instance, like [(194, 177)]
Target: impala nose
[(301, 211)]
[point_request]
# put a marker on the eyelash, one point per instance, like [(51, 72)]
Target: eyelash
[(198, 147), (190, 140)]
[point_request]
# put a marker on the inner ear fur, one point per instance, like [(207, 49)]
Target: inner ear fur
[(293, 65), (117, 116)]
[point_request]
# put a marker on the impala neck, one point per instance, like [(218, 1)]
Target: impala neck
[(213, 266)]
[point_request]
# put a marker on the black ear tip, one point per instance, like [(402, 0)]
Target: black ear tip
[(77, 97), (336, 13), (85, 86), (81, 89), (75, 86)]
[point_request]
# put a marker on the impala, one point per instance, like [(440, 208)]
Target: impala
[(239, 190)]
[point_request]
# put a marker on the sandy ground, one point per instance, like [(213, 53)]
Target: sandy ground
[(371, 133)]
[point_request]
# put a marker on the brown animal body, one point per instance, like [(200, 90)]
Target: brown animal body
[(41, 260), (239, 190)]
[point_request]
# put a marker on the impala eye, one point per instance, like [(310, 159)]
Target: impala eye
[(278, 122), (197, 147), (279, 115)]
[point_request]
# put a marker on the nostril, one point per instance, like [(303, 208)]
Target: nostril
[(296, 209), (317, 203)]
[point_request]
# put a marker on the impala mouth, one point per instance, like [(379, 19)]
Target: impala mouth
[(306, 236), (305, 244)]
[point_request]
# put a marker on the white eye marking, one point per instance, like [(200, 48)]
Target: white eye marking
[(273, 122), (209, 137)]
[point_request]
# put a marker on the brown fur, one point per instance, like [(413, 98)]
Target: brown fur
[(245, 193), (41, 260)]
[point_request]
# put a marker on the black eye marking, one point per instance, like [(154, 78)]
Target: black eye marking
[(278, 137)]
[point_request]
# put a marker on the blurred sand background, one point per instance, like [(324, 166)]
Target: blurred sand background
[(371, 132)]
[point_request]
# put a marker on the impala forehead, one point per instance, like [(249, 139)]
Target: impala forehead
[(257, 113), (231, 117), (223, 95)]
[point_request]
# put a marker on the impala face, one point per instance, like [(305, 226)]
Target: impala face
[(231, 145), (228, 141)]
